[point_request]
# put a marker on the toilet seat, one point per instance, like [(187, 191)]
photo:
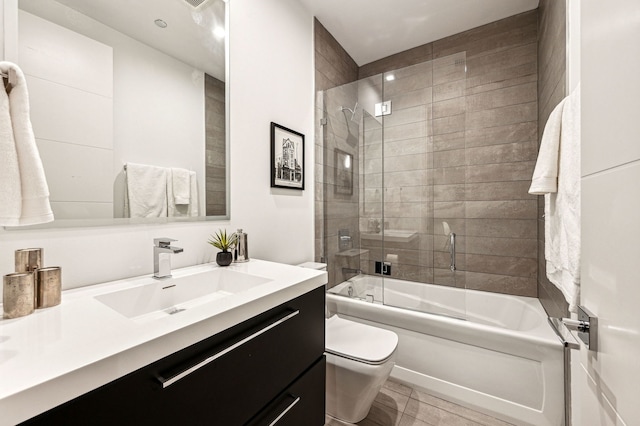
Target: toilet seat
[(359, 342)]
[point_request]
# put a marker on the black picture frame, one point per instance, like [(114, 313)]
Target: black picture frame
[(287, 158), (343, 172)]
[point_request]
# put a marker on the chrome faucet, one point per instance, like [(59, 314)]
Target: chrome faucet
[(162, 251)]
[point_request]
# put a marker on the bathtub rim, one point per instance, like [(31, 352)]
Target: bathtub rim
[(487, 336)]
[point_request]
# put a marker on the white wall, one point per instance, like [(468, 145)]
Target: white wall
[(608, 379), (271, 80), (271, 62)]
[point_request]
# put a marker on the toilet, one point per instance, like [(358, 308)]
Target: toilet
[(360, 358)]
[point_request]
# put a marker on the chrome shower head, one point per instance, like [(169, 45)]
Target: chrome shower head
[(356, 114)]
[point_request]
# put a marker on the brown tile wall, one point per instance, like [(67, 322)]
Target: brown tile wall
[(479, 156), (215, 134), (458, 148), (334, 66), (551, 89)]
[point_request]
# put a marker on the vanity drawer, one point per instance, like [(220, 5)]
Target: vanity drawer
[(265, 359), (303, 403), (225, 379)]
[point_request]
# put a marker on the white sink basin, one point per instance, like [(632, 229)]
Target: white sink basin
[(173, 295)]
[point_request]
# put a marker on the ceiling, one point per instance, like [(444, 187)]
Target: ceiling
[(373, 29), (189, 35)]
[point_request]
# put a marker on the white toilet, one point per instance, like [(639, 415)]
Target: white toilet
[(359, 360)]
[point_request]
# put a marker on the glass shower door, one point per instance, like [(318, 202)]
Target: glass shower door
[(349, 165), (423, 179)]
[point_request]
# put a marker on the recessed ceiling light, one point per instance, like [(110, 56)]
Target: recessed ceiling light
[(390, 77), (160, 23)]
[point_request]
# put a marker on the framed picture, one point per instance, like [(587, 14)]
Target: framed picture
[(343, 172), (287, 158)]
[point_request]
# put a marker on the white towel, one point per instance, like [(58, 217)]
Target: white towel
[(185, 210), (545, 175), (562, 205), (146, 190), (33, 195), (193, 203), (181, 185), (11, 193)]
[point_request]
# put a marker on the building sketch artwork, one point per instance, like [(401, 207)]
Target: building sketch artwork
[(288, 166), (287, 158)]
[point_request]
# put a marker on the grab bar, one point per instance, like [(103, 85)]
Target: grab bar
[(452, 250)]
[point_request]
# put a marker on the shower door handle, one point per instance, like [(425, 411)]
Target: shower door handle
[(452, 249)]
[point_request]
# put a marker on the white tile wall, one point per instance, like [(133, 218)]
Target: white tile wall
[(608, 382), (77, 172), (63, 113), (50, 51), (70, 80), (610, 58)]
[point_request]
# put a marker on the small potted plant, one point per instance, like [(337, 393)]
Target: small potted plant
[(225, 243)]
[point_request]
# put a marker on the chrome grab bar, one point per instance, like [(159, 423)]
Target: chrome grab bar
[(452, 250), (168, 382), (286, 410)]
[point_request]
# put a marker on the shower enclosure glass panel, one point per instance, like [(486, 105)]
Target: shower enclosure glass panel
[(343, 121), (402, 133)]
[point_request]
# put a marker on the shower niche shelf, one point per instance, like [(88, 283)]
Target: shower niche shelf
[(352, 253), (391, 235)]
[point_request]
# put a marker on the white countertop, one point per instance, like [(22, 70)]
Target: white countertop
[(59, 353)]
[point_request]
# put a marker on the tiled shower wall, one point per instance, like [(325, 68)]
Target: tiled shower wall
[(215, 134), (552, 63), (479, 155)]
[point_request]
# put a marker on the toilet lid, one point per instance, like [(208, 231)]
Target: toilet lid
[(360, 342)]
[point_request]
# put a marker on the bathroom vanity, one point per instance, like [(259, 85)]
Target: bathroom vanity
[(247, 357)]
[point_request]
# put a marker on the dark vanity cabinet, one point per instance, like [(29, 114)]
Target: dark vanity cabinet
[(267, 369)]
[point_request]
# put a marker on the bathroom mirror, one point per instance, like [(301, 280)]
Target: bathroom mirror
[(121, 82)]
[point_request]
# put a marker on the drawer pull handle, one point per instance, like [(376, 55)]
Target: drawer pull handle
[(286, 410), (168, 382)]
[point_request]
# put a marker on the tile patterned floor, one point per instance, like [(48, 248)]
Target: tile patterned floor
[(399, 405)]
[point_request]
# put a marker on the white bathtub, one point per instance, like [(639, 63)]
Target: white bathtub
[(491, 352)]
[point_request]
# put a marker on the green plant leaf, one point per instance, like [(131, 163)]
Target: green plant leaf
[(221, 240)]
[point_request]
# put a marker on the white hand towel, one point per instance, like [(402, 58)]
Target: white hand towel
[(557, 176), (562, 209), (194, 203), (35, 206), (11, 193), (180, 182), (184, 210), (545, 175), (146, 190)]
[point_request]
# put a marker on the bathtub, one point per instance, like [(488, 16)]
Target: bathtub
[(491, 352)]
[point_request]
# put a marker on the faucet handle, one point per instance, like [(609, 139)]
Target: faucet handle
[(163, 241)]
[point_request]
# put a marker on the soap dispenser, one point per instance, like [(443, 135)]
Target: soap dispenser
[(241, 252)]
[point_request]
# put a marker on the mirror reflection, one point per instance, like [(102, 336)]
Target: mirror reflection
[(128, 105)]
